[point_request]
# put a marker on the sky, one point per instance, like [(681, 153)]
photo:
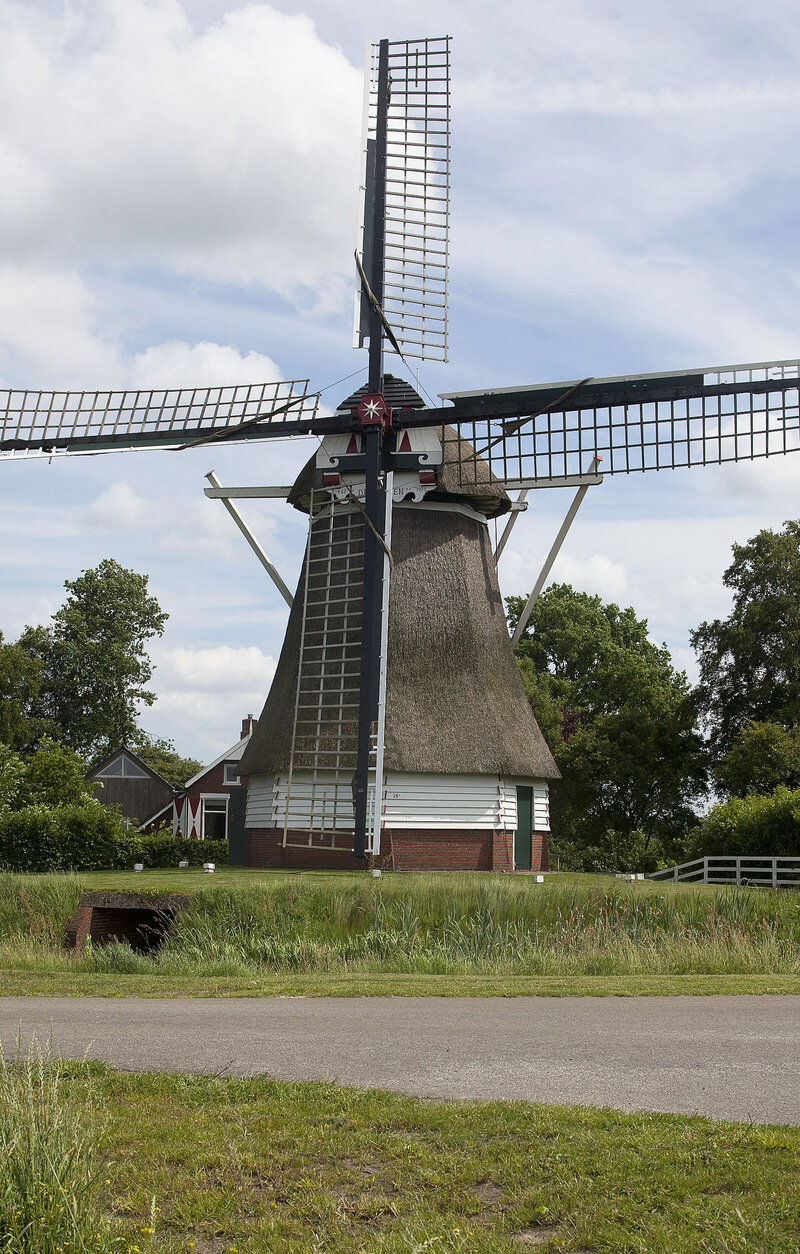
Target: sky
[(180, 201)]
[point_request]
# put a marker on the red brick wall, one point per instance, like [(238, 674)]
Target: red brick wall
[(264, 847), (539, 856), (403, 850), (78, 927), (212, 781)]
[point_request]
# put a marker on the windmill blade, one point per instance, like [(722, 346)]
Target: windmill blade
[(46, 423), (673, 420), (415, 188)]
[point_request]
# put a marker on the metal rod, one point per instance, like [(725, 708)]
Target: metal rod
[(382, 663), (553, 554), (253, 542), (375, 486), (509, 527), (228, 494)]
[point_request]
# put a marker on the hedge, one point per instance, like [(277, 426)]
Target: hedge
[(756, 826), (90, 837)]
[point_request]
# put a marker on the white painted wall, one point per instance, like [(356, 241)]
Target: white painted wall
[(410, 801)]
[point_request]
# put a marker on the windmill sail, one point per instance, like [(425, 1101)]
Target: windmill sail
[(417, 196), (664, 421), (44, 423)]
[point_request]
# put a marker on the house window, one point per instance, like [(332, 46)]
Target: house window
[(215, 818), (230, 774), (122, 768)]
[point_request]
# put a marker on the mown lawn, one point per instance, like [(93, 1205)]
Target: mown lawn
[(226, 1165)]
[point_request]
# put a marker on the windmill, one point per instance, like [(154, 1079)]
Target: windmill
[(396, 725)]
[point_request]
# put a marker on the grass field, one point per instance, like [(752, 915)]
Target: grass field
[(207, 1165), (261, 933)]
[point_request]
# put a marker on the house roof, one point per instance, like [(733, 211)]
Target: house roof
[(129, 753), (234, 754)]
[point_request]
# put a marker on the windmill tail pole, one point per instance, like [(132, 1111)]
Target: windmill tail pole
[(553, 554)]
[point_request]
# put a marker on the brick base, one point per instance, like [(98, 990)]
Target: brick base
[(143, 922), (403, 850)]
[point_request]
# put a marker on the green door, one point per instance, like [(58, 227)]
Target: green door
[(522, 836), (236, 833)]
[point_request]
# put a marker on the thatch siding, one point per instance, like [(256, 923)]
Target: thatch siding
[(455, 702)]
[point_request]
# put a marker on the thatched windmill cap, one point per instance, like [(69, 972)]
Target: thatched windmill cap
[(462, 476)]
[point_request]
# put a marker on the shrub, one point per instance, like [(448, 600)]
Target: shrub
[(163, 850), (755, 826), (90, 837)]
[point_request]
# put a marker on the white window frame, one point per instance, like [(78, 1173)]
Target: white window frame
[(212, 796), (230, 766)]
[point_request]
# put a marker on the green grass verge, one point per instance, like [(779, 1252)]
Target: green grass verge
[(213, 1165), (388, 984), (260, 933)]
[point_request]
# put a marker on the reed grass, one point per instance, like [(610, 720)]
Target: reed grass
[(50, 1174), (426, 925)]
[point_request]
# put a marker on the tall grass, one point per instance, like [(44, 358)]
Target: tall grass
[(49, 1171), (437, 925)]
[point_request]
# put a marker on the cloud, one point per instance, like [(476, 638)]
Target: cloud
[(118, 508), (202, 695), (221, 668), (130, 139), (177, 364), (595, 573), (616, 96)]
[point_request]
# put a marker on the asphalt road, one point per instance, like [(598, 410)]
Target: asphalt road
[(726, 1057)]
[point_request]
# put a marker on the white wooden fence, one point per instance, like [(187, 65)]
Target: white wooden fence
[(728, 869)]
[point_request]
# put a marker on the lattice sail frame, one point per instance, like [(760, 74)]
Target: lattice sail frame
[(635, 423), (417, 217), (45, 423)]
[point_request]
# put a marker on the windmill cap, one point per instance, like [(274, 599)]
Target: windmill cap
[(462, 476)]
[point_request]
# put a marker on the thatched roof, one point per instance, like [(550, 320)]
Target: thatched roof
[(455, 702)]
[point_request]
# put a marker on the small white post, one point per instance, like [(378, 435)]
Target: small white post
[(738, 870), (705, 870), (774, 872)]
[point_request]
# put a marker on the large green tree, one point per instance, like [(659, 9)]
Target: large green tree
[(750, 661), (762, 757), (621, 724), (24, 713), (95, 659)]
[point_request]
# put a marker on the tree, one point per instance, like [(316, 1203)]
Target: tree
[(621, 724), (762, 757), (750, 661), (97, 666), (162, 757), (52, 776), (24, 718)]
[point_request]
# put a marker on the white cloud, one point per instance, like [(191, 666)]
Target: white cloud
[(118, 508), (216, 669), (230, 153), (177, 364), (202, 695), (595, 573)]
